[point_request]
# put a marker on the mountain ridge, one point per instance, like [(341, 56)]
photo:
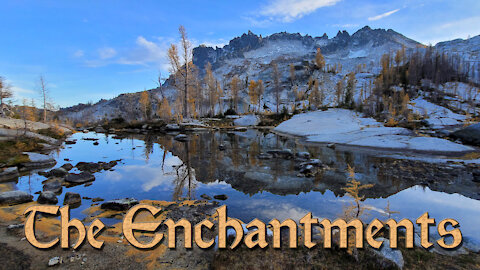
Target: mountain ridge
[(250, 41), (249, 57)]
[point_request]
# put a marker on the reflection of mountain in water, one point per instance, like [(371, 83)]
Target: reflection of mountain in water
[(239, 166)]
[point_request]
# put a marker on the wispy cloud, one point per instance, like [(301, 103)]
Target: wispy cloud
[(290, 10), (21, 93), (348, 25), (461, 28), (106, 53), (78, 53), (211, 43), (381, 16), (147, 53)]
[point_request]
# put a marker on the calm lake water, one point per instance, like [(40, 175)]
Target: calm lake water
[(156, 167)]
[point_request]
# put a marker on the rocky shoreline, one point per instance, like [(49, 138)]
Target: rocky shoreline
[(119, 254)]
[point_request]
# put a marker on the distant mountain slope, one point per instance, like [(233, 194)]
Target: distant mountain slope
[(250, 56), (365, 43), (470, 48)]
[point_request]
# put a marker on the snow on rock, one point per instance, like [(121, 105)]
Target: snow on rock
[(247, 120), (348, 127), (438, 116), (39, 160)]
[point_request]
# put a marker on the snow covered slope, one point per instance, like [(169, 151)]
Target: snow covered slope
[(436, 116), (349, 128)]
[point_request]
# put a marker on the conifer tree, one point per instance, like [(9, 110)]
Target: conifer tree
[(292, 74), (164, 110), (253, 93), (234, 86), (181, 66), (145, 105), (339, 88), (319, 59), (276, 85), (5, 91), (349, 102), (260, 91)]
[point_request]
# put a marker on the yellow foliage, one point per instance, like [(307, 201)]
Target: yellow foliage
[(319, 59), (353, 189)]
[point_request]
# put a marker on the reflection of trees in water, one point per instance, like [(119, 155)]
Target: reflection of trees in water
[(213, 149), (148, 149), (235, 152), (185, 177), (204, 162)]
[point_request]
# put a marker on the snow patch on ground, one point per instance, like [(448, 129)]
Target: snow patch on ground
[(438, 116), (357, 54), (348, 127), (247, 120)]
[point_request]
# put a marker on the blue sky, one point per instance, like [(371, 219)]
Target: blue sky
[(88, 50)]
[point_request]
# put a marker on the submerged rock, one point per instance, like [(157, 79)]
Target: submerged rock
[(57, 172), (67, 166), (72, 199), (80, 178), (221, 197), (8, 174), (54, 185), (119, 204), (96, 166), (206, 197), (47, 197), (15, 197)]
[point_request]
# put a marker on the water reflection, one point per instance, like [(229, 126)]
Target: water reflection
[(158, 167)]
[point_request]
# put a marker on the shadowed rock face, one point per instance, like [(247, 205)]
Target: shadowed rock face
[(469, 135)]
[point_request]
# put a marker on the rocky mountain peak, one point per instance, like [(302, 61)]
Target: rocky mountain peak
[(343, 41)]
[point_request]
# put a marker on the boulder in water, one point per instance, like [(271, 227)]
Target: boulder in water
[(80, 178), (15, 197), (47, 197), (119, 204), (72, 199)]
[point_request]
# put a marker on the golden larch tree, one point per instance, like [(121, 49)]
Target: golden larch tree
[(145, 104), (319, 59), (235, 92)]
